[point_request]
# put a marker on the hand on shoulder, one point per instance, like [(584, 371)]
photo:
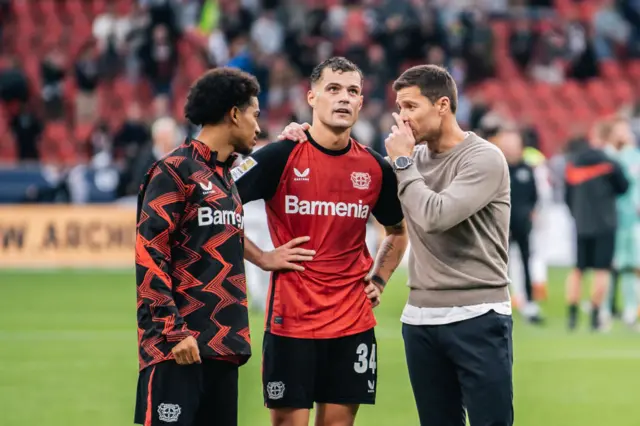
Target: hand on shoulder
[(295, 132)]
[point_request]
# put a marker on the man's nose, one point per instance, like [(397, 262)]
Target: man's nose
[(344, 96)]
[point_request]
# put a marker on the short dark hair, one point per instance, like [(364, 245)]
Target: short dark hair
[(433, 81), (216, 92), (336, 63)]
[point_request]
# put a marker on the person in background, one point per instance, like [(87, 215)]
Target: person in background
[(87, 77), (27, 128), (538, 261), (524, 196), (160, 61), (624, 150), (53, 72), (132, 136), (165, 136), (593, 181)]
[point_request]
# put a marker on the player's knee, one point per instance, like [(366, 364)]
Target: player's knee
[(336, 415), (289, 417)]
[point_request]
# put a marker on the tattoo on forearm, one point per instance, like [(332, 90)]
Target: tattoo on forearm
[(388, 259), (383, 254), (389, 254)]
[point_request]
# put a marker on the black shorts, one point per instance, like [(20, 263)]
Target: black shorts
[(596, 252), (298, 372), (188, 395)]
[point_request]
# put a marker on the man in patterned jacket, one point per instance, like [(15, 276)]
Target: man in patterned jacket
[(193, 326)]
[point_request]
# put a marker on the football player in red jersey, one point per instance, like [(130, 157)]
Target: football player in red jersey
[(319, 344)]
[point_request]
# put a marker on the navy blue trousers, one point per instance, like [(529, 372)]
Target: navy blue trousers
[(462, 368)]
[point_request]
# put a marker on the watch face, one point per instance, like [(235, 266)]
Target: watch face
[(402, 162)]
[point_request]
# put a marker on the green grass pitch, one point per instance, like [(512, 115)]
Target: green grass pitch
[(68, 357)]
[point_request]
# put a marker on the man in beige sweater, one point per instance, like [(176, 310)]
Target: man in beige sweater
[(454, 191)]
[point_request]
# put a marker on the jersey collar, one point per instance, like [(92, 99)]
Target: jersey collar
[(333, 152), (204, 153)]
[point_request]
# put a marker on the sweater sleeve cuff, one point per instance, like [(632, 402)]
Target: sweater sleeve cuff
[(406, 176), (179, 335)]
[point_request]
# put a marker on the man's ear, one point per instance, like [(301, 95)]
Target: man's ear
[(361, 102), (445, 105), (311, 97), (234, 115)]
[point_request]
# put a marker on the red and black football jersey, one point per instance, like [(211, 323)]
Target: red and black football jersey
[(190, 258), (329, 196)]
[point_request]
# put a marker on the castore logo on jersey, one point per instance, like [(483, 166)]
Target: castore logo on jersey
[(301, 175), (207, 188)]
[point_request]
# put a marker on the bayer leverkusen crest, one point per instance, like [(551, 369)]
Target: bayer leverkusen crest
[(361, 180)]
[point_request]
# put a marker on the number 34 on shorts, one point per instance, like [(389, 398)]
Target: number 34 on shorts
[(366, 359)]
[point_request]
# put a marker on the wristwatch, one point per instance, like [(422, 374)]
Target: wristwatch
[(402, 163)]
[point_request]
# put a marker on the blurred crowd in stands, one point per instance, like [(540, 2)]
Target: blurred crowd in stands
[(100, 85)]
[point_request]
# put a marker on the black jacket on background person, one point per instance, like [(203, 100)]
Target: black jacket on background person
[(593, 182), (524, 194)]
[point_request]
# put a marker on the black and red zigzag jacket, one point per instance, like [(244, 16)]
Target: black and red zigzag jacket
[(189, 258)]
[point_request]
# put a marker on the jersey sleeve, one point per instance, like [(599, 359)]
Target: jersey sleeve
[(387, 210), (258, 176), (161, 203)]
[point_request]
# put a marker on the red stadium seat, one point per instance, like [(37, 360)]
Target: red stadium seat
[(582, 113), (8, 147), (633, 69), (544, 93), (98, 7), (74, 8), (623, 91), (508, 69), (610, 69), (82, 133), (587, 10), (56, 145), (31, 66), (492, 89), (564, 8), (22, 9), (45, 8), (24, 19), (599, 93), (571, 89), (53, 29), (195, 68), (501, 31), (124, 7), (516, 88)]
